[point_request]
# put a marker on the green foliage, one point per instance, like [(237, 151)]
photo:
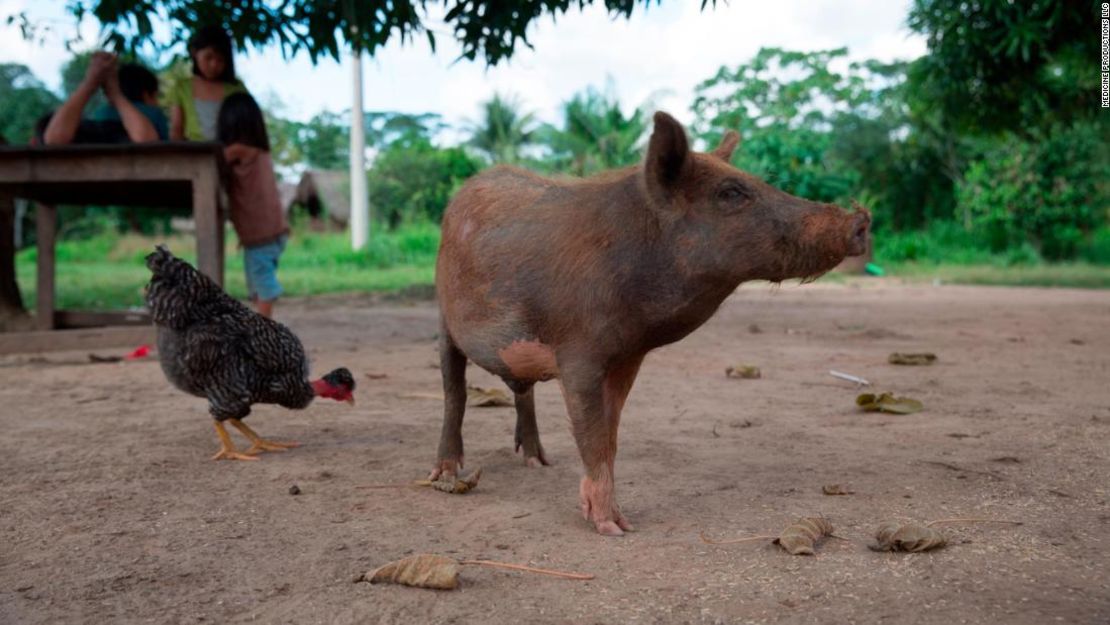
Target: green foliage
[(1050, 191), (324, 141), (808, 128), (23, 99), (1096, 249), (490, 29), (1003, 65), (596, 135), (504, 129), (412, 181)]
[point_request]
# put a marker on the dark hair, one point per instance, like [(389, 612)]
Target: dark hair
[(241, 121), (214, 37), (135, 81)]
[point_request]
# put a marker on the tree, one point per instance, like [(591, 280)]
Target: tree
[(1001, 65), (324, 140), (504, 129), (413, 180), (784, 105), (596, 134), (490, 29), (23, 99)]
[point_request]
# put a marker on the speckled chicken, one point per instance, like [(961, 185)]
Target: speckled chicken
[(212, 346)]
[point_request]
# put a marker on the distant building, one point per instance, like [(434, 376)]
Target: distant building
[(321, 192)]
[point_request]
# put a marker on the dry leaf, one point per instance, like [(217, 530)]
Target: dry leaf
[(892, 536), (887, 402), (922, 358), (376, 376), (801, 537), (746, 372), (487, 397), (835, 489), (429, 570), (423, 571), (461, 485)]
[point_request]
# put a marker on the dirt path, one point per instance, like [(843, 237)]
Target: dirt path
[(111, 512)]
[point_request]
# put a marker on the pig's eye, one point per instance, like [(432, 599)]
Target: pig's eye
[(732, 193)]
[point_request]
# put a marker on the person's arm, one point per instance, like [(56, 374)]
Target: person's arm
[(63, 125), (177, 123), (238, 152), (138, 126)]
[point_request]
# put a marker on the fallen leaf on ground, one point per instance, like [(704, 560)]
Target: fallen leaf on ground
[(429, 570), (835, 489), (460, 485), (745, 372), (922, 358), (426, 570), (487, 397), (801, 537), (887, 402), (376, 376), (911, 537)]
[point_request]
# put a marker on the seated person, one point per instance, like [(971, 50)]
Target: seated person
[(132, 114)]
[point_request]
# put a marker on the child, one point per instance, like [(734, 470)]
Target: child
[(194, 102), (255, 205)]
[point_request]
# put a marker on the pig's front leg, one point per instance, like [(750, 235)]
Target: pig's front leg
[(595, 398), (449, 458)]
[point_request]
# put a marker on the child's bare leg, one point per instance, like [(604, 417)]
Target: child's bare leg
[(264, 308)]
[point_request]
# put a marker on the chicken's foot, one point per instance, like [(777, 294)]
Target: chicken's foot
[(227, 448), (259, 444)]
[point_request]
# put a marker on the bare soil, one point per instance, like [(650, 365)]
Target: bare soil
[(112, 512)]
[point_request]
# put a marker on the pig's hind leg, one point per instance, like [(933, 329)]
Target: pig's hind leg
[(452, 363), (527, 436)]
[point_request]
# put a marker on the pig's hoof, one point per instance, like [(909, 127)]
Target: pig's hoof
[(534, 455), (536, 462), (598, 505), (609, 528), (446, 469)]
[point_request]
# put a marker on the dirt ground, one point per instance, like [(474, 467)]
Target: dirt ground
[(112, 512)]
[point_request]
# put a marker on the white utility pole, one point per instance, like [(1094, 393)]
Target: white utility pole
[(360, 205)]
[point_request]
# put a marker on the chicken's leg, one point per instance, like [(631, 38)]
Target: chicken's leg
[(227, 448), (260, 444)]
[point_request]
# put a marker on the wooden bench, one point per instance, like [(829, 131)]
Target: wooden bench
[(157, 175)]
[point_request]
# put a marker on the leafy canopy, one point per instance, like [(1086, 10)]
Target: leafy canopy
[(490, 29)]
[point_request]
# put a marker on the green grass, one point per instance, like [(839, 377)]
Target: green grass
[(107, 271), (1073, 275)]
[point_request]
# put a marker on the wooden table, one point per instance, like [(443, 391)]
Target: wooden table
[(169, 175)]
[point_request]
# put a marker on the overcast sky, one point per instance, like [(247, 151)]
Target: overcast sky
[(665, 49)]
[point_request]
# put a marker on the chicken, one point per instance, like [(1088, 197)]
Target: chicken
[(212, 346)]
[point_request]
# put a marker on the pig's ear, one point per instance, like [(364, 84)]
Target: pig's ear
[(667, 152), (728, 146)]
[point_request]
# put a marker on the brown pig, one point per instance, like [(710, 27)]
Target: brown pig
[(578, 279)]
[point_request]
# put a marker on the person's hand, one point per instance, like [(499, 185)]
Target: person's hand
[(101, 64), (111, 84)]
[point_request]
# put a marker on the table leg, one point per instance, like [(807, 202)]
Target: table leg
[(46, 226), (209, 224)]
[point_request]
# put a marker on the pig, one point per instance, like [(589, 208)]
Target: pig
[(576, 280)]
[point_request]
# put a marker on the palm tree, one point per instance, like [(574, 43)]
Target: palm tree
[(504, 129), (596, 134)]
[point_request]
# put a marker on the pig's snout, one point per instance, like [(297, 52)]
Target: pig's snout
[(858, 232)]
